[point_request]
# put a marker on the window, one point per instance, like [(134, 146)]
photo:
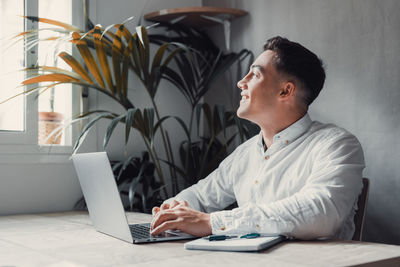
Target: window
[(22, 118), (11, 61), (55, 103)]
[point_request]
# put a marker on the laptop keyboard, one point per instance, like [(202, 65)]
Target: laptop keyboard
[(140, 231)]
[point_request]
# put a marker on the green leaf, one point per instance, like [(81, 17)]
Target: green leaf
[(198, 115), (125, 164), (76, 66), (158, 57), (53, 22), (99, 44), (117, 56), (231, 139), (144, 55), (179, 120), (226, 64), (86, 129), (207, 112), (220, 110), (133, 186), (148, 118), (180, 47), (130, 116), (124, 75), (179, 170), (88, 58), (116, 166), (183, 124), (110, 129)]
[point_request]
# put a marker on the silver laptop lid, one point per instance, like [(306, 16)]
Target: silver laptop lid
[(101, 194)]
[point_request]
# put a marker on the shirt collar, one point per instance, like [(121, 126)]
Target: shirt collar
[(291, 133)]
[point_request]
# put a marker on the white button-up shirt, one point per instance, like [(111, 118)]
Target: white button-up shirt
[(305, 185)]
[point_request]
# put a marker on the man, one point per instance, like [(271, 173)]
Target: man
[(297, 177)]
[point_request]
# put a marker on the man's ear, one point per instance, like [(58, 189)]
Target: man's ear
[(287, 89)]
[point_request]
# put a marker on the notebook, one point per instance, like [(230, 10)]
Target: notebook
[(104, 203), (236, 244)]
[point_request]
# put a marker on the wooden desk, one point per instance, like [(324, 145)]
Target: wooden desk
[(68, 239)]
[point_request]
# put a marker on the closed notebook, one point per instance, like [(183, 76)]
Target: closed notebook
[(236, 244)]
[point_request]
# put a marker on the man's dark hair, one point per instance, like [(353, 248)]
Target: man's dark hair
[(297, 61)]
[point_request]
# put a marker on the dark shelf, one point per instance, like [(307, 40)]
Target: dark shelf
[(193, 16)]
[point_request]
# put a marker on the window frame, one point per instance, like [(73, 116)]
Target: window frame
[(26, 142)]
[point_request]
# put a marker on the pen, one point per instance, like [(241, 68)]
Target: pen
[(218, 237), (249, 236)]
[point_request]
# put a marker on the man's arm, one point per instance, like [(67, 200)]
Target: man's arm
[(189, 207), (212, 193)]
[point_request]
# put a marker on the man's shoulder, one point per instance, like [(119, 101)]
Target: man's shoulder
[(329, 130), (328, 134)]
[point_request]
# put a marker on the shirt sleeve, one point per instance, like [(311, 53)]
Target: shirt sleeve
[(215, 192), (318, 209)]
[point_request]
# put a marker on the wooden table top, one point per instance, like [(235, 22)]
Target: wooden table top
[(69, 239)]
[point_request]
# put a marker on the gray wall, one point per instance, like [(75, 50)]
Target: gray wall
[(359, 41)]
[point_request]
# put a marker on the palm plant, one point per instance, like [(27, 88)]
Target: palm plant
[(194, 75), (128, 52), (109, 54)]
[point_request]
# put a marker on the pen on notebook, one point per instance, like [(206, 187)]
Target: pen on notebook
[(218, 237), (250, 236)]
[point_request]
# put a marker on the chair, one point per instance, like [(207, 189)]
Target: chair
[(361, 208)]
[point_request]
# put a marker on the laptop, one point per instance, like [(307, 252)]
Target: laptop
[(104, 202)]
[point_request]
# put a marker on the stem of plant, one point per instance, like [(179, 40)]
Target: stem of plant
[(189, 141), (169, 153), (154, 157)]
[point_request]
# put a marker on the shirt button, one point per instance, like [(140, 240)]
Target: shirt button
[(223, 228), (267, 157), (257, 227), (287, 142), (256, 181)]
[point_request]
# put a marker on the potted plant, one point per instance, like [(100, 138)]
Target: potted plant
[(108, 55), (49, 122)]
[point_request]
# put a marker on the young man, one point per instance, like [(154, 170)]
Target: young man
[(297, 177)]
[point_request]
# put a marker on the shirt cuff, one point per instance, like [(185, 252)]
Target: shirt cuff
[(222, 222)]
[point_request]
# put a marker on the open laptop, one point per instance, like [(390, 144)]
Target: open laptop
[(104, 203)]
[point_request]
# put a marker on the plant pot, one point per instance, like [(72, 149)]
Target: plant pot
[(48, 121)]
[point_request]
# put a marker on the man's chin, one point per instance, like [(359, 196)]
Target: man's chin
[(241, 113)]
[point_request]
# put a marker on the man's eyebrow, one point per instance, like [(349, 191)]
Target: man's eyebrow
[(257, 67)]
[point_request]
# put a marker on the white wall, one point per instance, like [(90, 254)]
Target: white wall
[(359, 42)]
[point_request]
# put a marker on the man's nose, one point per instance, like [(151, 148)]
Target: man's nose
[(241, 84)]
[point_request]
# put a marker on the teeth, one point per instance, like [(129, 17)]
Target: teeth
[(245, 97)]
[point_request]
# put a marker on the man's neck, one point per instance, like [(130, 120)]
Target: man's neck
[(271, 128)]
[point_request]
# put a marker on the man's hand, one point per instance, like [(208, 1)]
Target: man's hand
[(166, 206), (178, 216)]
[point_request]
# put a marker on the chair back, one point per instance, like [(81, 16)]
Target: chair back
[(361, 208)]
